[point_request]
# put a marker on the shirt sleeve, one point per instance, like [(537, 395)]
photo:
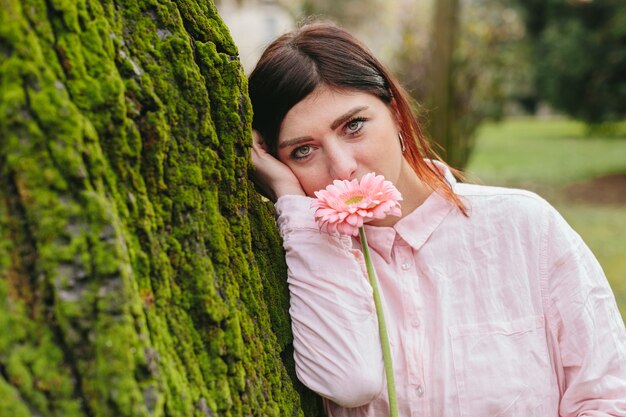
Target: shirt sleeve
[(585, 324), (336, 344)]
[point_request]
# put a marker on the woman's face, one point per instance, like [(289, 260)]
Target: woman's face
[(341, 134)]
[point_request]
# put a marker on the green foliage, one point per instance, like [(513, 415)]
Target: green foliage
[(580, 56), (489, 66), (491, 60), (128, 281), (348, 13)]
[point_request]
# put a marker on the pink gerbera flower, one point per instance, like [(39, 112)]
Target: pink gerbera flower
[(344, 206)]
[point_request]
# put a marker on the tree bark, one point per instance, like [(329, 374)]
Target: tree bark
[(444, 125), (140, 275)]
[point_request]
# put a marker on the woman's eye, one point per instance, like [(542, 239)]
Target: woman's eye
[(353, 126), (302, 151)]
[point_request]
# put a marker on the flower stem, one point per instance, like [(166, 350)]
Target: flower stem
[(382, 327)]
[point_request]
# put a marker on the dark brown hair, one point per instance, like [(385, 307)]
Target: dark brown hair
[(321, 53)]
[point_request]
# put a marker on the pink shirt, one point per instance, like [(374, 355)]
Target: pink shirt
[(504, 313)]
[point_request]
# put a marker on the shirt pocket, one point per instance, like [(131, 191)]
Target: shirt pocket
[(502, 369)]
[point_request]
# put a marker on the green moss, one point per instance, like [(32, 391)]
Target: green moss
[(140, 272), (11, 404)]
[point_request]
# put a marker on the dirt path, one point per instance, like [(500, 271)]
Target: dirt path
[(610, 189)]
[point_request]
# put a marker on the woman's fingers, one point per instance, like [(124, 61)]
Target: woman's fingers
[(257, 141), (272, 176)]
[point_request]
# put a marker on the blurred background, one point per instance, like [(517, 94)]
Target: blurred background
[(519, 93)]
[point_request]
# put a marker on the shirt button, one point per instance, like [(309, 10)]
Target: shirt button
[(415, 323), (406, 265), (420, 391)]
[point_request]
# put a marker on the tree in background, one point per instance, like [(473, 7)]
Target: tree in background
[(440, 86), (462, 68), (371, 21), (579, 49), (350, 13), (139, 274)]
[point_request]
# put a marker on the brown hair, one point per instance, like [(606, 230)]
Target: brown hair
[(321, 53)]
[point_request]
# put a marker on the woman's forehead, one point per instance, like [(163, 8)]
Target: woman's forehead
[(327, 103), (321, 109)]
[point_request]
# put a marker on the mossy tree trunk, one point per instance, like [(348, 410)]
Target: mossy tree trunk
[(139, 274)]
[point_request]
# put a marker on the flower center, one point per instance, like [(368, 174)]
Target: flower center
[(354, 199)]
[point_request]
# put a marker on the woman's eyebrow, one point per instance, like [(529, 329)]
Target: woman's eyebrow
[(334, 125), (294, 141), (347, 116)]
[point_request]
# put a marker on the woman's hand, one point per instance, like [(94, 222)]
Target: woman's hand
[(273, 177)]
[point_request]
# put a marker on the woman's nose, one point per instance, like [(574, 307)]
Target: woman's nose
[(342, 164)]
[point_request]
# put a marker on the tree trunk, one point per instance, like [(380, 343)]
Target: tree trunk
[(444, 122), (139, 273)]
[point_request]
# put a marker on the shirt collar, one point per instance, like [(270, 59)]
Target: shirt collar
[(416, 227)]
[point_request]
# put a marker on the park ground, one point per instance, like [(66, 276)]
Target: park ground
[(582, 174)]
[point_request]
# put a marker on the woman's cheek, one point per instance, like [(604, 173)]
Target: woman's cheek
[(311, 179)]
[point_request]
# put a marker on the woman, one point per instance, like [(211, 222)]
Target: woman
[(495, 307)]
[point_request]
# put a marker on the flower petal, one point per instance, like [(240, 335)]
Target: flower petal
[(343, 206)]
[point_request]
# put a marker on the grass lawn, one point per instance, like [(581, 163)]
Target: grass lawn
[(556, 159)]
